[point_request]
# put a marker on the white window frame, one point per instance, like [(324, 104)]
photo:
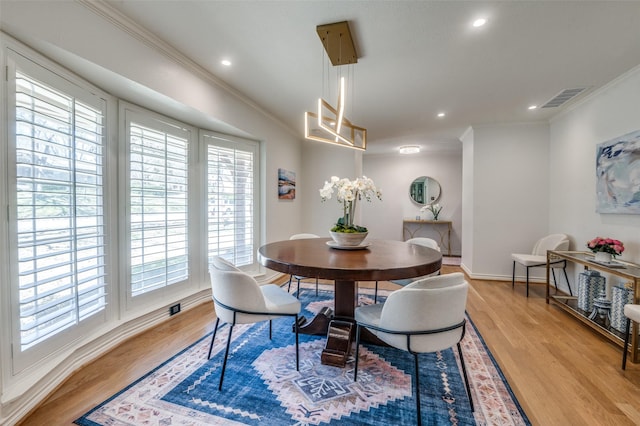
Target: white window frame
[(236, 143), (136, 305), (55, 77)]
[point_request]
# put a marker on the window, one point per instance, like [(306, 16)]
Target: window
[(232, 210), (59, 244), (158, 203)]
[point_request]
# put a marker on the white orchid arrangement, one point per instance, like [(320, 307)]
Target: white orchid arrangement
[(434, 209), (348, 193)]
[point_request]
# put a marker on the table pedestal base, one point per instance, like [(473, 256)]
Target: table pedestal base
[(319, 324)]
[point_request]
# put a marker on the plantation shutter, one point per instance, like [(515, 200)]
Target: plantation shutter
[(232, 205), (158, 181), (59, 209)]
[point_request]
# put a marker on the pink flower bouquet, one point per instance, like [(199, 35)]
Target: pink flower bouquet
[(606, 245)]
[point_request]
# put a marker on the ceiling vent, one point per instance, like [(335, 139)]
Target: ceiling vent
[(563, 97)]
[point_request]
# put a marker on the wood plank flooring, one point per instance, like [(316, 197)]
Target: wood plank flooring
[(561, 372)]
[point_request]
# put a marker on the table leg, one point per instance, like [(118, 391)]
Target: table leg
[(344, 309), (345, 299)]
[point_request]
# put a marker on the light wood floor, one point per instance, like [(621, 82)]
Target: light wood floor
[(561, 372)]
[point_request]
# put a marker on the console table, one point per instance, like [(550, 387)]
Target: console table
[(629, 272), (436, 224)]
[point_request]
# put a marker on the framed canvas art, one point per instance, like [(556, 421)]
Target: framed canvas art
[(286, 184), (618, 175)]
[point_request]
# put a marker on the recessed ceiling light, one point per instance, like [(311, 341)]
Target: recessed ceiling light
[(441, 114), (226, 62), (479, 22), (409, 149), (533, 106)]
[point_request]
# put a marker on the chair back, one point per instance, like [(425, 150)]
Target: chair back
[(551, 242), (423, 241), (427, 304), (235, 289), (303, 236)]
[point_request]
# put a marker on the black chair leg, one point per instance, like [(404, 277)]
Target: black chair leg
[(527, 281), (466, 378), (290, 279), (316, 287), (295, 325), (270, 329), (375, 294), (626, 344), (215, 330), (226, 355), (298, 293), (513, 275), (415, 357), (355, 369)]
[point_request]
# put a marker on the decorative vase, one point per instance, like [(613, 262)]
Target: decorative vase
[(602, 256), (348, 238)]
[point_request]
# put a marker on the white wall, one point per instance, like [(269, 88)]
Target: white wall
[(611, 112), (467, 199), (509, 204), (393, 174), (320, 161)]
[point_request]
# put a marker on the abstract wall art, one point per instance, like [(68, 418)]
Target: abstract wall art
[(286, 184), (618, 175)]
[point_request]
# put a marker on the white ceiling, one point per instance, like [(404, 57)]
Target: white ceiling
[(416, 58)]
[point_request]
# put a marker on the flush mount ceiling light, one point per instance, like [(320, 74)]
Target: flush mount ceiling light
[(409, 149), (479, 22), (329, 124)]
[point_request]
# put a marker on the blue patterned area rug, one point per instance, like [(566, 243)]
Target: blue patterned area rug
[(262, 386)]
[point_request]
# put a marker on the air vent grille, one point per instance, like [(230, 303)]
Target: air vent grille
[(563, 97)]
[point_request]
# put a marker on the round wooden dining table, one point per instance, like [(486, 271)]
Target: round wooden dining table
[(381, 260)]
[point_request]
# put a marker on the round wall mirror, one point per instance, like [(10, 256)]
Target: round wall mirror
[(424, 190)]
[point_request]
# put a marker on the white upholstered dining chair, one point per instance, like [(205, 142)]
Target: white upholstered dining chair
[(297, 277), (427, 315), (538, 258), (238, 299), (421, 241)]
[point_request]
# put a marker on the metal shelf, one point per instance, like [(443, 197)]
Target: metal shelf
[(626, 270)]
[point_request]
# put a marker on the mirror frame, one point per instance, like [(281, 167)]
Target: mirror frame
[(416, 192)]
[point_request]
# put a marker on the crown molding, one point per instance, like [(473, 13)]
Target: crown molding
[(132, 28)]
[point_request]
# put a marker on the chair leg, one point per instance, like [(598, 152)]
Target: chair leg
[(626, 344), (415, 357), (375, 294), (270, 329), (215, 330), (316, 287), (466, 378), (355, 369), (226, 355), (298, 294), (527, 281), (295, 325), (513, 275), (290, 279)]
